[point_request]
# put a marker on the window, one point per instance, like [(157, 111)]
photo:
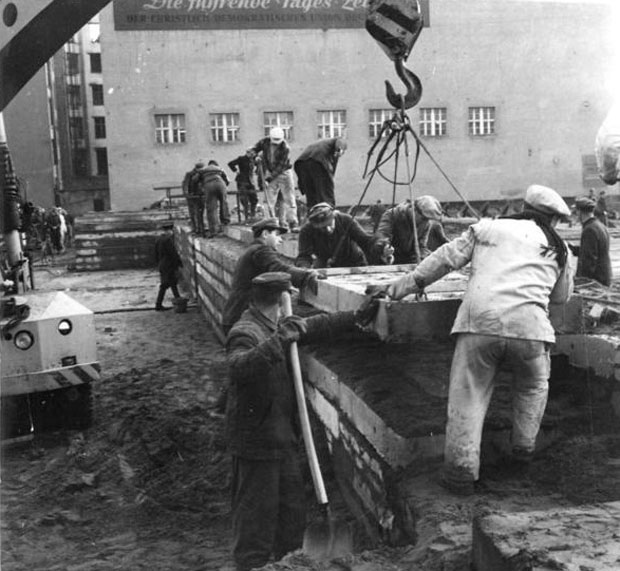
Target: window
[(282, 119), (224, 127), (95, 63), (101, 154), (433, 121), (376, 118), (170, 129), (76, 129), (331, 124), (73, 63), (97, 92), (74, 97), (481, 121), (99, 127)]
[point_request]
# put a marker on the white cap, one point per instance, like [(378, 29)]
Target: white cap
[(276, 135), (546, 200), (429, 207)]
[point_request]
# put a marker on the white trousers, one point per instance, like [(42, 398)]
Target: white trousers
[(474, 365), (283, 184)]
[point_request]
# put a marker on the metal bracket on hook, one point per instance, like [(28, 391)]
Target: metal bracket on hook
[(412, 83)]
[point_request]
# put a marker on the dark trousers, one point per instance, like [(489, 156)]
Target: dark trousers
[(269, 515), (248, 199), (165, 283), (217, 207), (196, 207), (315, 182)]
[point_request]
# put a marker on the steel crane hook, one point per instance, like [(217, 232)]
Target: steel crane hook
[(412, 83)]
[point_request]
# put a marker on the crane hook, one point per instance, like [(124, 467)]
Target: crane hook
[(411, 81)]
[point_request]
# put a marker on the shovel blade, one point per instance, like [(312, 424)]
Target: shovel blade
[(325, 540)]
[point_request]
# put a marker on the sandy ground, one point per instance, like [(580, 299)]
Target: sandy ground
[(147, 486)]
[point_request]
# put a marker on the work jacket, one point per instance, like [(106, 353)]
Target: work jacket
[(244, 167), (257, 259), (514, 277), (594, 261), (211, 174), (316, 246), (322, 152), (274, 163), (166, 256), (262, 419), (396, 225)]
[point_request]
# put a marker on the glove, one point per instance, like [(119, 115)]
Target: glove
[(367, 312), (290, 329), (312, 282)]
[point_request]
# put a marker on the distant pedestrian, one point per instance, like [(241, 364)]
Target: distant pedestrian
[(214, 183), (276, 175), (244, 168), (316, 167), (593, 253), (168, 262), (375, 212), (192, 189), (600, 210)]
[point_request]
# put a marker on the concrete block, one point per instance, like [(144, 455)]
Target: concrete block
[(600, 353), (576, 538)]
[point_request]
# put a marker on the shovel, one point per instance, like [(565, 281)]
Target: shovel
[(326, 538)]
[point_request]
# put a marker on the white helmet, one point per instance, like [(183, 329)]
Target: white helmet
[(276, 134)]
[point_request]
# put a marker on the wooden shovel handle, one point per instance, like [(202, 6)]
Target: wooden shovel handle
[(315, 469)]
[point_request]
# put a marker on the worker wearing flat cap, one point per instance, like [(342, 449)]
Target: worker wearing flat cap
[(397, 225), (519, 265), (593, 253), (195, 196), (268, 511), (316, 168), (168, 263), (334, 239)]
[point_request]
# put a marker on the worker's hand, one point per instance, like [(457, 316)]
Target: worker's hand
[(268, 179), (291, 328), (312, 282), (367, 312)]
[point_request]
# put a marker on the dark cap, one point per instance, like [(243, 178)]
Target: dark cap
[(268, 224), (272, 282), (585, 203), (199, 165), (321, 213)]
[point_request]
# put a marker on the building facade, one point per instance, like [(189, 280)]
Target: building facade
[(514, 92)]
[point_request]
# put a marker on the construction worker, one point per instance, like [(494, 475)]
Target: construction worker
[(519, 265), (396, 225), (268, 512), (333, 239), (194, 193), (593, 252), (244, 167), (277, 177), (375, 212), (316, 167), (168, 262), (214, 183)]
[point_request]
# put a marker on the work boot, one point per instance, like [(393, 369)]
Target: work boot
[(161, 308), (457, 480)]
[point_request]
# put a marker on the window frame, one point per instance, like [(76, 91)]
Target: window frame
[(283, 119), (382, 114), (97, 95), (474, 123), (99, 127), (101, 159), (95, 62), (331, 128), (436, 121), (170, 133), (230, 133)]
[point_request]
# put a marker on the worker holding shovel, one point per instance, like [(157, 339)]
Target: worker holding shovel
[(269, 515)]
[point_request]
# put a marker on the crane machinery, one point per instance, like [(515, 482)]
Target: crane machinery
[(48, 357)]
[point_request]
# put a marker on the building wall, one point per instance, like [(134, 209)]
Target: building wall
[(28, 136), (542, 65)]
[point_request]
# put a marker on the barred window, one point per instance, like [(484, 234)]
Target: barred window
[(99, 127), (76, 129), (73, 63), (283, 119), (101, 154), (331, 123), (170, 128), (97, 93), (74, 97), (433, 121), (224, 127), (481, 121), (95, 63), (376, 118)]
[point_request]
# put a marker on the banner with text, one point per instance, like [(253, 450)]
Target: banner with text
[(241, 14)]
